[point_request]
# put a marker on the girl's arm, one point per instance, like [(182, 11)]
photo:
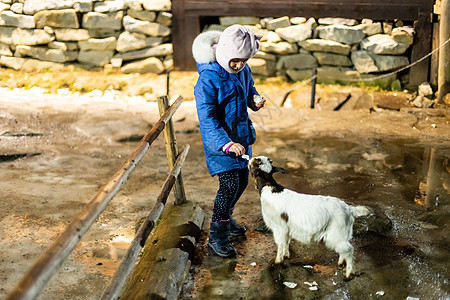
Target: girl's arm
[(252, 96)]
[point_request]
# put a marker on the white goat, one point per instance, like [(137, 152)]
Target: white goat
[(305, 218)]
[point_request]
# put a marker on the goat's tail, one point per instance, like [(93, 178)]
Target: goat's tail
[(359, 211)]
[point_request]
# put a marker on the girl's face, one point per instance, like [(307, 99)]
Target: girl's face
[(236, 64)]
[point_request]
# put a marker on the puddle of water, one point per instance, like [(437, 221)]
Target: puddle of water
[(403, 250), (12, 134), (11, 157)]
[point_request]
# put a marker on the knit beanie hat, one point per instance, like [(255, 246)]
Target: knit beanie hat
[(236, 41)]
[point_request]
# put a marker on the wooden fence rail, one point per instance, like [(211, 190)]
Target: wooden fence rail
[(40, 273), (127, 264)]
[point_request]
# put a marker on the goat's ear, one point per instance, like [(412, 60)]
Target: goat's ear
[(279, 169), (255, 173)]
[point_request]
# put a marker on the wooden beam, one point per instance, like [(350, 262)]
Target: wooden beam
[(185, 29), (315, 9), (435, 56), (183, 38), (444, 53), (421, 47), (176, 223), (177, 33)]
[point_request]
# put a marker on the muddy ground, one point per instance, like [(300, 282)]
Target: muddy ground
[(58, 149)]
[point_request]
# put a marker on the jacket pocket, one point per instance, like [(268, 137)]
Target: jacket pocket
[(241, 132)]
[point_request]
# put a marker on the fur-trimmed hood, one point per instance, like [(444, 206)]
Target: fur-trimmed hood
[(204, 47), (235, 42)]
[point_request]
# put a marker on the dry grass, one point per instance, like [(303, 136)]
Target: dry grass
[(74, 80), (83, 81)]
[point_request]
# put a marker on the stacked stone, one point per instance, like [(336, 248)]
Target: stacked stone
[(133, 35), (340, 49)]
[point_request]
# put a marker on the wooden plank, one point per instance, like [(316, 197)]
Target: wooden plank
[(434, 64), (185, 29), (380, 2), (178, 13), (174, 264), (444, 54), (185, 38), (317, 10), (284, 3), (340, 2), (421, 47), (408, 9)]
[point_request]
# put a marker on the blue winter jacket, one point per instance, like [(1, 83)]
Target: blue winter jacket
[(222, 99)]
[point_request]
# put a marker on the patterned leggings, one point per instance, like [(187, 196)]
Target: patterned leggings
[(231, 186)]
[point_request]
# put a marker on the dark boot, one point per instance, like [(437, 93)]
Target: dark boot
[(236, 229), (218, 239)]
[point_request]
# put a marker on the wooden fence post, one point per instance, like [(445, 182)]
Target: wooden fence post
[(422, 46), (444, 56), (171, 150)]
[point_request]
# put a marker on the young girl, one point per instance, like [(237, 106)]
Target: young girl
[(223, 91)]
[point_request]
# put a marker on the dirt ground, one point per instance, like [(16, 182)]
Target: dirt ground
[(58, 149)]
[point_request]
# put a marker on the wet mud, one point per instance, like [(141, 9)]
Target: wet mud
[(401, 249)]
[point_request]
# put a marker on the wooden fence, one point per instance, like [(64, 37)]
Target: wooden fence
[(40, 273)]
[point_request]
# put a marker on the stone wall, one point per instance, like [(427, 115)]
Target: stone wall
[(133, 35), (341, 50)]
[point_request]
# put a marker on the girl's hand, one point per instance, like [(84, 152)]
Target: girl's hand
[(259, 101), (237, 148)]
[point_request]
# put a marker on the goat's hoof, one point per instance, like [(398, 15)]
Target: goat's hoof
[(274, 265), (353, 275), (342, 265), (348, 278)]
